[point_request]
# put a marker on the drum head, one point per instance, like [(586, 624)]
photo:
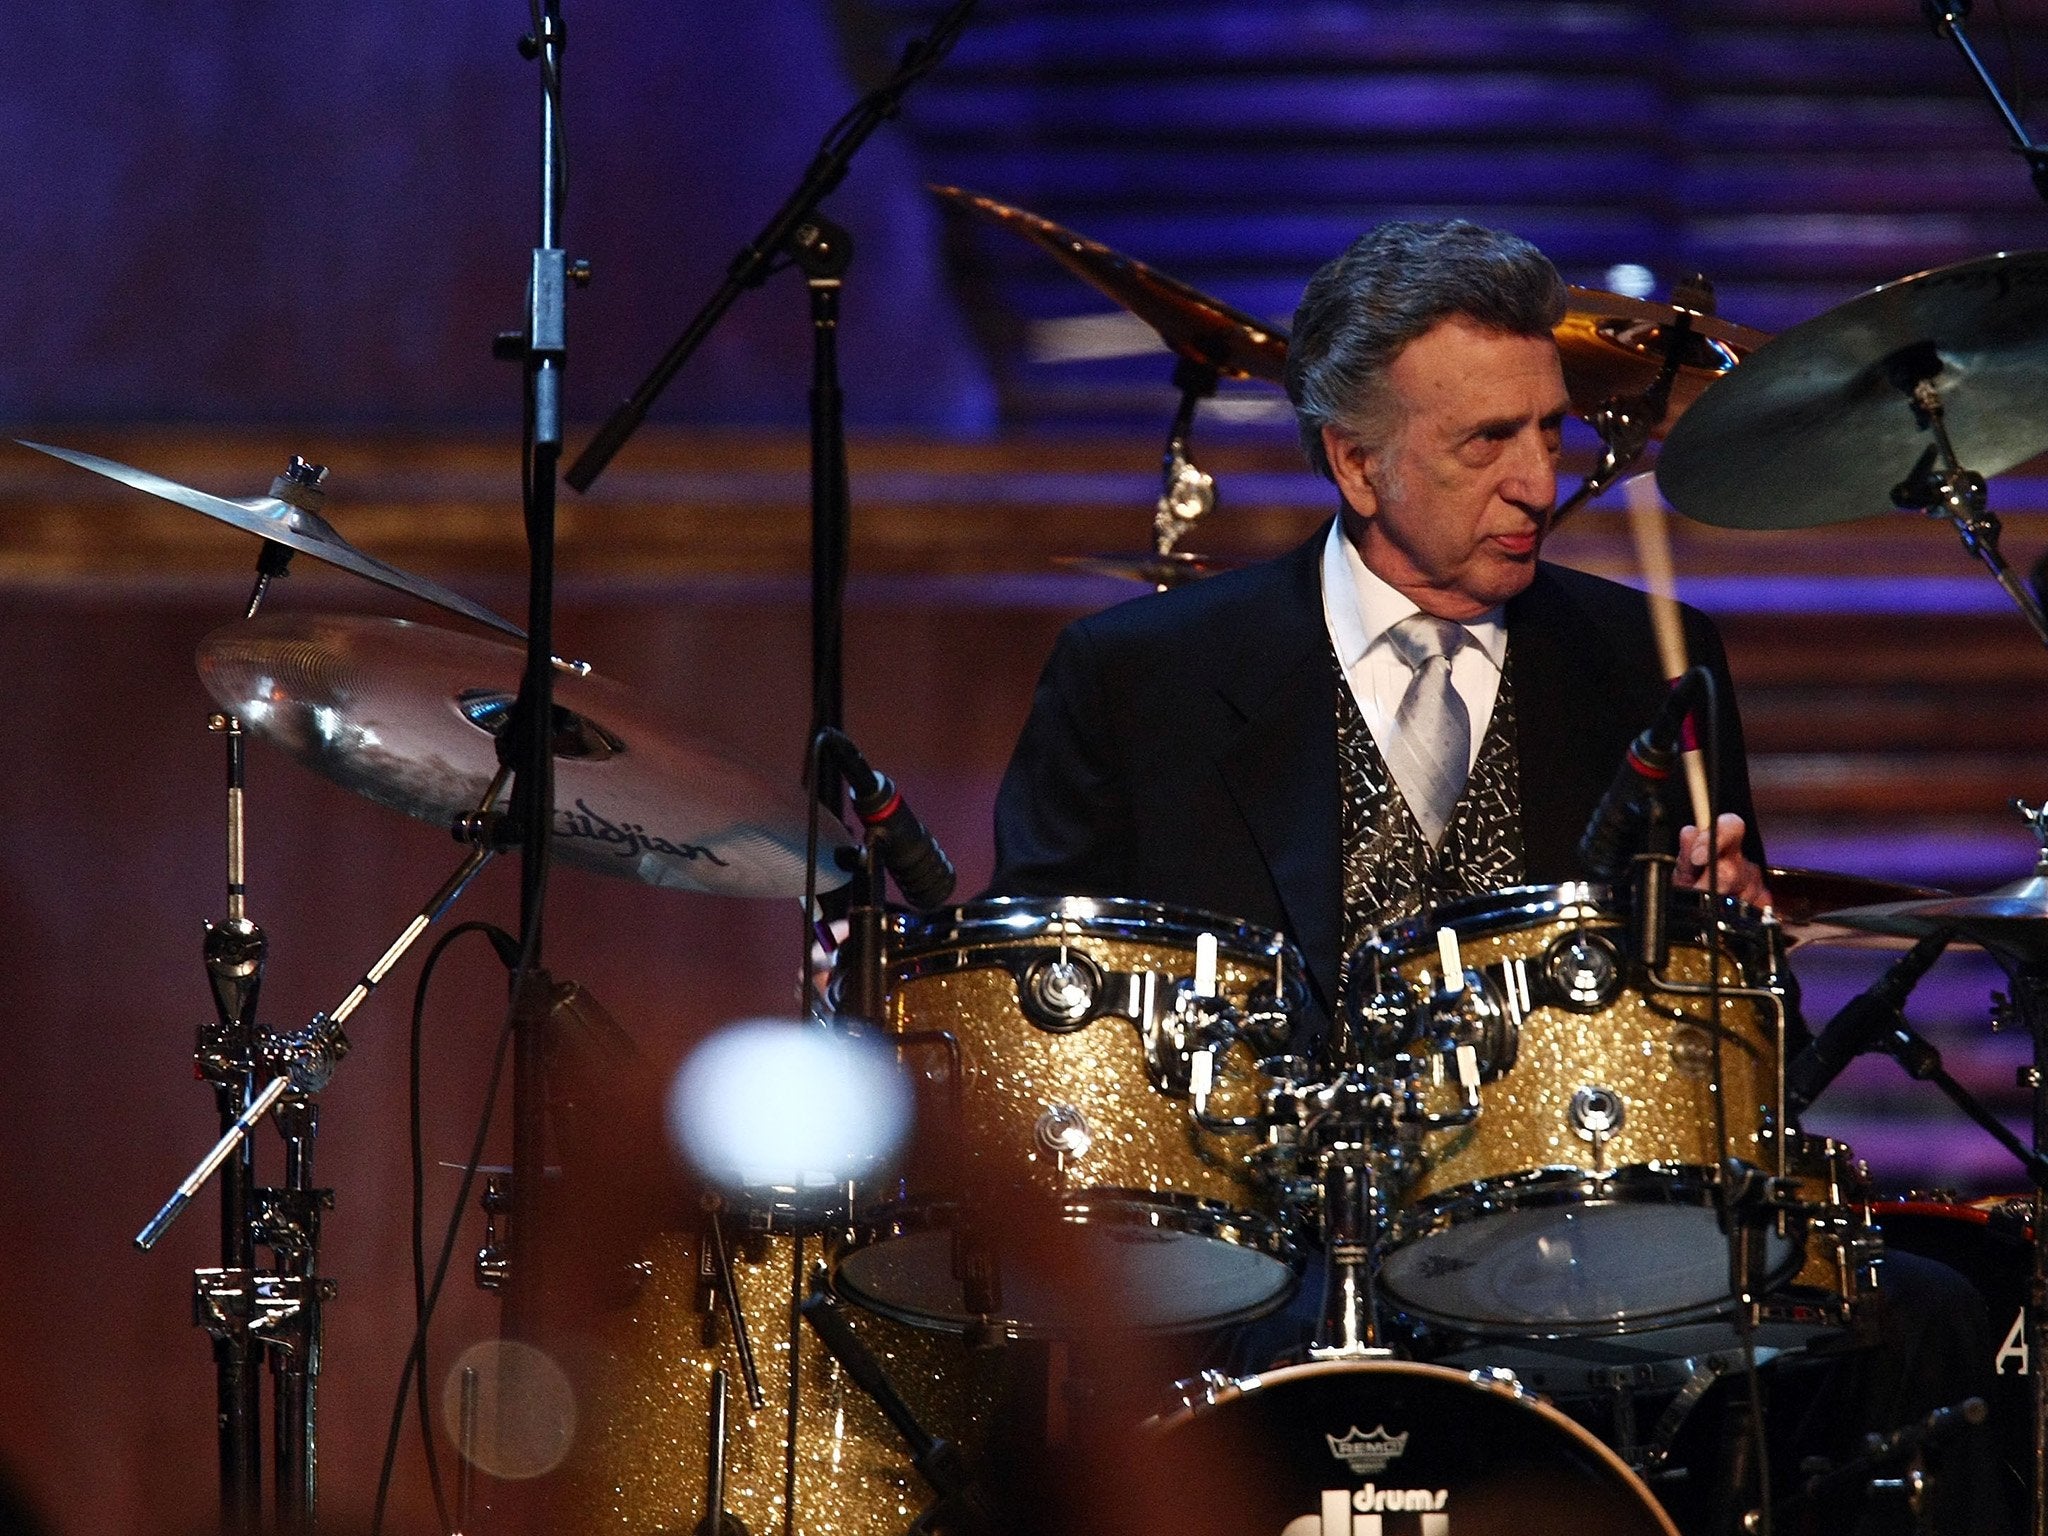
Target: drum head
[(1598, 1268), (1165, 1280), (1387, 1448)]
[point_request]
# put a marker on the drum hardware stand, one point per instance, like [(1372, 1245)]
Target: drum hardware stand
[(960, 1506), (1951, 491), (1188, 493), (728, 1286), (1819, 1478), (1947, 19), (1626, 423)]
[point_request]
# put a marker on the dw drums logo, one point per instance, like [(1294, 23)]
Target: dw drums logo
[(1367, 1512)]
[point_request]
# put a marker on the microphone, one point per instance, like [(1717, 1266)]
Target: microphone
[(1609, 840), (1860, 1025), (904, 844)]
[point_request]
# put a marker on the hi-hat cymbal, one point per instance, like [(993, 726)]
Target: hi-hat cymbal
[(1802, 898), (1175, 568), (1820, 425), (282, 523), (1201, 329), (407, 716), (1614, 345)]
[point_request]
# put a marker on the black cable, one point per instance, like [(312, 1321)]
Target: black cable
[(427, 1298)]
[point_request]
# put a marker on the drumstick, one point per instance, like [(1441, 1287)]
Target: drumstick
[(1653, 554)]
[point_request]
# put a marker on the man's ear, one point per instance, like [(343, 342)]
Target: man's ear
[(1352, 466)]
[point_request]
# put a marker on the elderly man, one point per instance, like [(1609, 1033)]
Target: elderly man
[(1411, 706)]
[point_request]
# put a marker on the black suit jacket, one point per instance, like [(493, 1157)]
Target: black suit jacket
[(1182, 747)]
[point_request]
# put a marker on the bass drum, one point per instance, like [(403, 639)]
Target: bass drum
[(1389, 1448)]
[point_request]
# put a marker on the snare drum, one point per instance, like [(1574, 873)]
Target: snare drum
[(1582, 1197), (1387, 1448), (1057, 1057)]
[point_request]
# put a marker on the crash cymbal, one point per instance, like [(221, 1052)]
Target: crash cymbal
[(1819, 426), (1801, 896), (1176, 568), (2012, 920), (406, 715), (282, 523), (1613, 345), (1197, 327)]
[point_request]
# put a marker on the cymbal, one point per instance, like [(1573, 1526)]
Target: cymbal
[(1201, 329), (1801, 896), (1175, 568), (1819, 425), (1613, 345), (2011, 920), (406, 715), (1610, 343), (282, 523)]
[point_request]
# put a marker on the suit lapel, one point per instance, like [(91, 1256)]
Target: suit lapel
[(1564, 724), (1281, 766)]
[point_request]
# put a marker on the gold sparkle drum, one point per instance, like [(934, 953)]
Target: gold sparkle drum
[(644, 1458), (1582, 1198), (1063, 1048), (1387, 1448)]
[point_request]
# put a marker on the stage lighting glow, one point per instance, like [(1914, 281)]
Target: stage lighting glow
[(774, 1102), (509, 1408), (1631, 280)]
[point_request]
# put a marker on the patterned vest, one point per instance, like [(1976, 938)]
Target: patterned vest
[(1390, 871)]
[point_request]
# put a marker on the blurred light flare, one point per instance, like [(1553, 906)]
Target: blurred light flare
[(777, 1103)]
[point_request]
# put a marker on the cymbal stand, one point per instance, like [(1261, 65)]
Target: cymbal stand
[(235, 951), (1947, 18), (1360, 1126), (1626, 423), (1188, 493), (1941, 487)]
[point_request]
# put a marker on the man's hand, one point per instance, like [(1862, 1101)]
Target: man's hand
[(1735, 875)]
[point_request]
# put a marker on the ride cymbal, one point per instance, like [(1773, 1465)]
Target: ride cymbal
[(269, 517), (1201, 329), (409, 716), (1820, 425)]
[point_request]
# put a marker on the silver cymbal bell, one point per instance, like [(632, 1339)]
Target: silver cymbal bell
[(408, 716)]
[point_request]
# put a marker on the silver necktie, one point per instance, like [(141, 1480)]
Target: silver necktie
[(1431, 752)]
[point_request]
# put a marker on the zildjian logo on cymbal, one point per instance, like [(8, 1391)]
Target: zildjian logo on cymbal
[(631, 839)]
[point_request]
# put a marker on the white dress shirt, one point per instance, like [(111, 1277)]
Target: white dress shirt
[(1359, 608)]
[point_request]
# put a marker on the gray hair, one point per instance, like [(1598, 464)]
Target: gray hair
[(1392, 285)]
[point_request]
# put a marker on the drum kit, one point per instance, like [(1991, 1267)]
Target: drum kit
[(1549, 1154)]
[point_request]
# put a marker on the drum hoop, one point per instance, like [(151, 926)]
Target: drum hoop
[(1522, 906), (1246, 1386), (1108, 1205), (1000, 923)]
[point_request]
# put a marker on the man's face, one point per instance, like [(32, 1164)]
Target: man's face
[(1452, 509)]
